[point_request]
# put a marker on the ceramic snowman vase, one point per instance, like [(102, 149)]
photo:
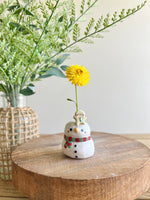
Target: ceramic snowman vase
[(77, 142)]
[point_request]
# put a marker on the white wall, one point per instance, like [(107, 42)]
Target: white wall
[(117, 99)]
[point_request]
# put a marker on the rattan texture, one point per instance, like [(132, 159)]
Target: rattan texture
[(17, 126)]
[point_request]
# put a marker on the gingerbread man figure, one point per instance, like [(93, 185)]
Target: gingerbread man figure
[(79, 117)]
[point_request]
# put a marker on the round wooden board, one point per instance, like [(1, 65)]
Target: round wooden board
[(119, 170)]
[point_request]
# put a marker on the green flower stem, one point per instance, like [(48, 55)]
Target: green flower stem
[(95, 32), (76, 92)]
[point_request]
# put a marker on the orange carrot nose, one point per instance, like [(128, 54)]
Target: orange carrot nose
[(76, 130)]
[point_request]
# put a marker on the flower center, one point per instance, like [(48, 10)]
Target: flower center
[(79, 71)]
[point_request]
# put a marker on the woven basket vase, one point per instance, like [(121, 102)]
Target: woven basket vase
[(17, 126)]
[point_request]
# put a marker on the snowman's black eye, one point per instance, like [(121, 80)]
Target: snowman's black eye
[(82, 130), (70, 129)]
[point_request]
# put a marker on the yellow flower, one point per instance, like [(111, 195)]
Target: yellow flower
[(78, 75)]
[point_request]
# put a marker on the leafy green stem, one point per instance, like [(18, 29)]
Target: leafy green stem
[(95, 32), (12, 88), (83, 14), (37, 43), (46, 24), (22, 12)]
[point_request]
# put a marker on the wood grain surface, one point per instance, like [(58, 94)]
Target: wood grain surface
[(8, 192), (120, 169)]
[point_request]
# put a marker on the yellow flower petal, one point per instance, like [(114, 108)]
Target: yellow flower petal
[(78, 75)]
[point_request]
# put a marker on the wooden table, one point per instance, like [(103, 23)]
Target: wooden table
[(7, 191)]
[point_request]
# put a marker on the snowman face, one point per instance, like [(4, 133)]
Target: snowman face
[(72, 130)]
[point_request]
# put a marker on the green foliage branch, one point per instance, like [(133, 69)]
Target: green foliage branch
[(35, 39)]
